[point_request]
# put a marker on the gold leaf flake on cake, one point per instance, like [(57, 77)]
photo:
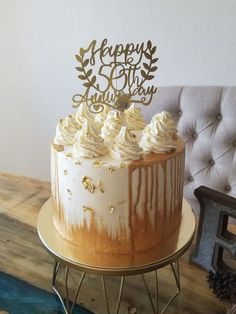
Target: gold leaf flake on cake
[(112, 169), (58, 148), (122, 165), (65, 172), (111, 208), (98, 163), (100, 186), (88, 209), (68, 155), (88, 184)]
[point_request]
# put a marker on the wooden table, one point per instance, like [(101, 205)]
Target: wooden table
[(22, 255)]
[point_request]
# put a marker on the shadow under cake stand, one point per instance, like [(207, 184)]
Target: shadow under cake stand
[(72, 257)]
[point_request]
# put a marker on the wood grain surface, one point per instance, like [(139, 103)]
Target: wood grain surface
[(23, 256)]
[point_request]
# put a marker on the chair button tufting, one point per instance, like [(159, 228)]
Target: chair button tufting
[(180, 113), (211, 162), (194, 135), (190, 178), (227, 188), (219, 117), (234, 143)]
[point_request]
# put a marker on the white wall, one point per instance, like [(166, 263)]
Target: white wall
[(38, 41)]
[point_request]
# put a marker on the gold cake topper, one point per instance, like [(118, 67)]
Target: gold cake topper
[(115, 76)]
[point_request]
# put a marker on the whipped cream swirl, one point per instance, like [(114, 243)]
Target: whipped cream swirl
[(125, 146), (164, 123), (88, 143), (83, 114), (159, 136), (134, 118), (66, 130), (101, 117), (112, 124)]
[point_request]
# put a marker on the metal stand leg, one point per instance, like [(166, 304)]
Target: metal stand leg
[(157, 290), (119, 296), (66, 305), (56, 270), (77, 292), (105, 294), (149, 294), (66, 288), (175, 270)]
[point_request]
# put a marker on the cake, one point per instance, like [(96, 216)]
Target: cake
[(117, 182)]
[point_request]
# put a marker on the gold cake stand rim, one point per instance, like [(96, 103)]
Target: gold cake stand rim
[(60, 248)]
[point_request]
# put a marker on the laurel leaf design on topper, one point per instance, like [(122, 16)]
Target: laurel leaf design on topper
[(115, 76), (85, 73), (149, 67)]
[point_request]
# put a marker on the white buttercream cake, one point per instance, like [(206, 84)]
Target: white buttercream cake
[(117, 183)]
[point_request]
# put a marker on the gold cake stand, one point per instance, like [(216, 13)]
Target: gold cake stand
[(72, 257)]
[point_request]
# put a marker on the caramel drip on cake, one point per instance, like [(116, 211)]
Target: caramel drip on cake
[(145, 205), (164, 210), (131, 212), (139, 188), (182, 165), (56, 192), (152, 217), (156, 196), (152, 185)]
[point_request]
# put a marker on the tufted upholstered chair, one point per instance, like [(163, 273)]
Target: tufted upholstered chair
[(206, 119)]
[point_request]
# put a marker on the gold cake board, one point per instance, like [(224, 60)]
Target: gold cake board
[(123, 265)]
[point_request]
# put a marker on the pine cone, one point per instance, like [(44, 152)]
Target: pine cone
[(223, 284), (231, 309)]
